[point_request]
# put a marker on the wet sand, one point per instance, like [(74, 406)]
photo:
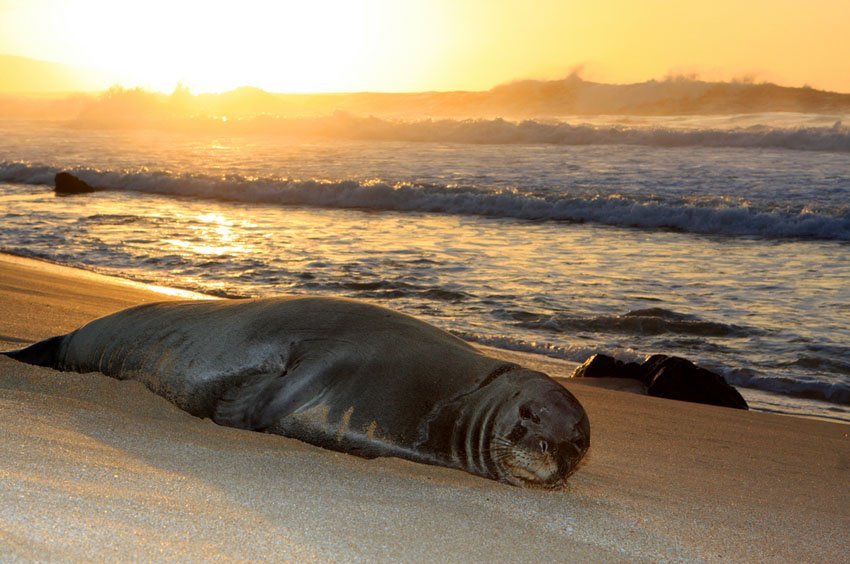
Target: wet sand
[(91, 467)]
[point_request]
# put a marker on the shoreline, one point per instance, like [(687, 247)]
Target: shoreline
[(93, 467), (760, 400)]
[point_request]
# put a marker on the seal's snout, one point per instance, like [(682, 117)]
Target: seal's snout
[(548, 436), (563, 434)]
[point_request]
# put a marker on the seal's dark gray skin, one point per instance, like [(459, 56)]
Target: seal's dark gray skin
[(340, 374)]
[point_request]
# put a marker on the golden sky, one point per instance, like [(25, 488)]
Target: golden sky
[(413, 45)]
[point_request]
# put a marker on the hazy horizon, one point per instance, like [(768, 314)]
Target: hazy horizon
[(419, 46), (57, 79)]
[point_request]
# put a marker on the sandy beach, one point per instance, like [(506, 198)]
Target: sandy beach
[(94, 468)]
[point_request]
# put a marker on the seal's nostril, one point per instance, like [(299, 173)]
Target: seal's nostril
[(544, 447)]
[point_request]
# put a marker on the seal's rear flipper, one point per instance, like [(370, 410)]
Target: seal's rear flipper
[(42, 353)]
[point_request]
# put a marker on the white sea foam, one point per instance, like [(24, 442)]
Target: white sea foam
[(723, 218), (571, 353)]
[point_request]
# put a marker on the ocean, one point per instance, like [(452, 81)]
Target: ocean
[(723, 239)]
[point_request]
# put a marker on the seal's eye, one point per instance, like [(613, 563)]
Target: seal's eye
[(526, 413)]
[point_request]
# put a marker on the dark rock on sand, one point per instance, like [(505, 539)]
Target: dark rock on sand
[(668, 377), (677, 378), (67, 183), (604, 366)]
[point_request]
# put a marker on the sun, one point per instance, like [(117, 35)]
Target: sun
[(304, 46)]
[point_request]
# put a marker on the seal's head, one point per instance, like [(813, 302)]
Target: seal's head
[(540, 435)]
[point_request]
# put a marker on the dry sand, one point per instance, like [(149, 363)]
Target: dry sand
[(91, 467)]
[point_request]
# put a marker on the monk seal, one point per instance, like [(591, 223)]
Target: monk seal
[(339, 374)]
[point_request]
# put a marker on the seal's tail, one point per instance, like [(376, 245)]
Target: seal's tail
[(42, 353)]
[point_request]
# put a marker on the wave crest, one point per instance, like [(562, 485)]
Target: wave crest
[(614, 210), (501, 131)]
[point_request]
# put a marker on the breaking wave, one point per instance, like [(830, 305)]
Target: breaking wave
[(808, 388), (829, 133), (501, 131), (614, 210), (802, 137)]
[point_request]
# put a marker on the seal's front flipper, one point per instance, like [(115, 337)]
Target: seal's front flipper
[(42, 353), (250, 405), (262, 400)]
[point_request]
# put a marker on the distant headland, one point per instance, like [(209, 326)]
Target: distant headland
[(57, 94)]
